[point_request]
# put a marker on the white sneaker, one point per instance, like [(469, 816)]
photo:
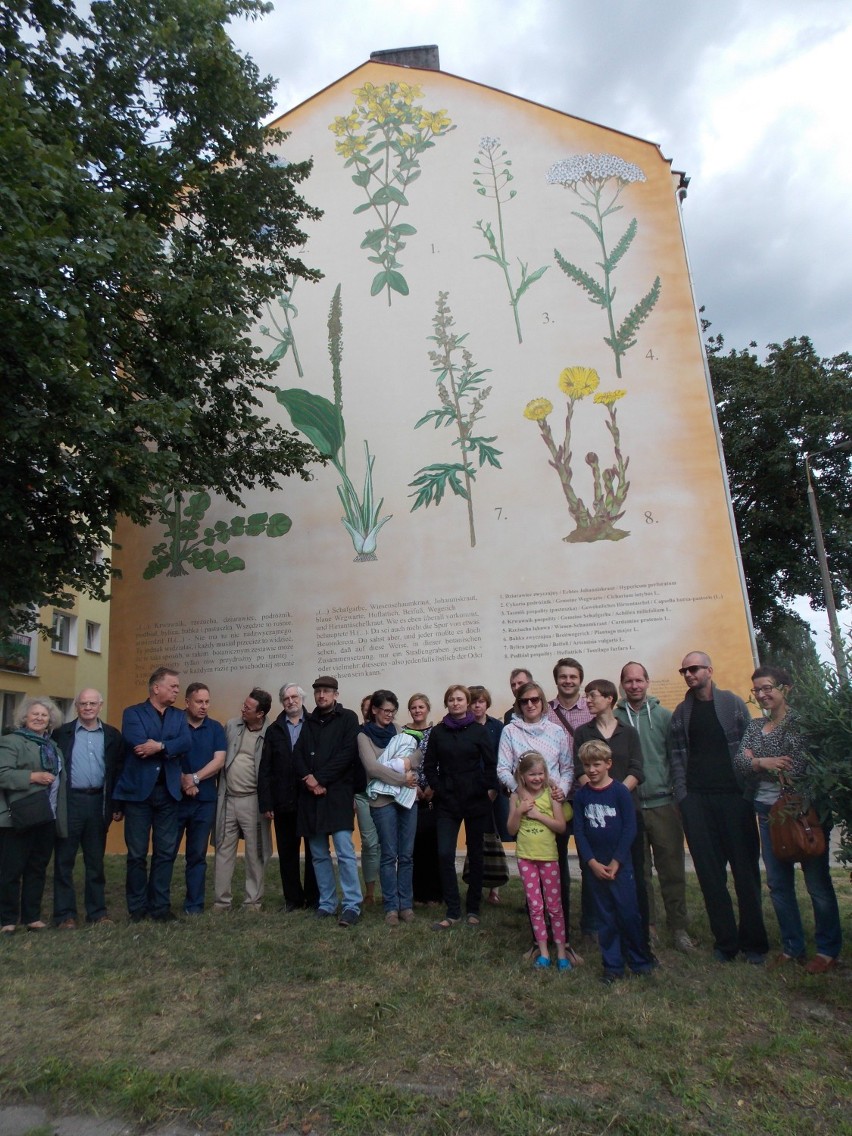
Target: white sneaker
[(683, 943)]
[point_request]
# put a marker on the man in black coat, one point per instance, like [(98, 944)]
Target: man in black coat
[(92, 754), (325, 766), (278, 798)]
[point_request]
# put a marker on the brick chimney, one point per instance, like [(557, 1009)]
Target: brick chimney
[(425, 57)]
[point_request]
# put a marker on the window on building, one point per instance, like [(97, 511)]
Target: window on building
[(9, 702), (66, 707), (93, 636), (64, 633)]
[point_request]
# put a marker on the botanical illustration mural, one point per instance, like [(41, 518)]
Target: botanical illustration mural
[(384, 138), (520, 454), (492, 180), (610, 484), (462, 398), (597, 181), (322, 423), (188, 545)]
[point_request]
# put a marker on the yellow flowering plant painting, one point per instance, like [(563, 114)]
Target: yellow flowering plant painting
[(609, 484), (383, 139)]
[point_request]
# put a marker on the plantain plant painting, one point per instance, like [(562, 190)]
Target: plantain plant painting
[(282, 328), (609, 485), (492, 178), (461, 397), (383, 139), (321, 421), (181, 512), (598, 180)]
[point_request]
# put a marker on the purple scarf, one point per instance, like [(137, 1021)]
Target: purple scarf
[(458, 723)]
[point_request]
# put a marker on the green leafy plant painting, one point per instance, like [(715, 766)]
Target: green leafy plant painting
[(188, 545), (282, 328), (383, 139), (321, 421), (492, 178), (461, 397), (598, 180), (610, 484)]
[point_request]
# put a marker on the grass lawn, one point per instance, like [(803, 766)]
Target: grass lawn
[(247, 1023)]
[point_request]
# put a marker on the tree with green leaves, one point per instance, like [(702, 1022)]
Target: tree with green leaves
[(147, 221), (771, 414)]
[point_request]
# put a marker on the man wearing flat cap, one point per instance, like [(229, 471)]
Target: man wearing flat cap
[(325, 767)]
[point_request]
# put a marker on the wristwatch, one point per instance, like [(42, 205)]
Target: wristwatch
[(195, 779)]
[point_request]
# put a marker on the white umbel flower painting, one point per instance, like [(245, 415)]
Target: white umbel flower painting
[(593, 167)]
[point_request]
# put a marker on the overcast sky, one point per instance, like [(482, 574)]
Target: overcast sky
[(750, 98)]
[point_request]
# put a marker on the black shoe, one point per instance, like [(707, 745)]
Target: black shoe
[(288, 907), (320, 914), (167, 916), (138, 916), (348, 918)]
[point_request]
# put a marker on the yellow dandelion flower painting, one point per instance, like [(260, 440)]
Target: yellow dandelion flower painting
[(577, 382), (538, 409)]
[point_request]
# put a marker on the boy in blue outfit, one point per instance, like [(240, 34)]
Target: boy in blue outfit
[(604, 829)]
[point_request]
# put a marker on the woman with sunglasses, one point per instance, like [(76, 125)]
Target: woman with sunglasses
[(31, 772), (772, 748)]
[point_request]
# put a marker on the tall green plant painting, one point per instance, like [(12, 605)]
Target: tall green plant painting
[(461, 398), (597, 181), (322, 423), (383, 139)]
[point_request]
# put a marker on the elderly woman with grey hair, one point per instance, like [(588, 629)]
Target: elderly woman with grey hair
[(32, 812)]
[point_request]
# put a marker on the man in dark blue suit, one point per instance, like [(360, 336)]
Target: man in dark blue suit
[(92, 755), (148, 792)]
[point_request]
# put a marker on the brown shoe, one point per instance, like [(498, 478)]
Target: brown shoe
[(67, 925), (104, 921), (821, 964), (782, 960), (392, 919), (407, 915)]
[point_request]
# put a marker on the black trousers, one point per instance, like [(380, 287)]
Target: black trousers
[(288, 840), (721, 830), (24, 856)]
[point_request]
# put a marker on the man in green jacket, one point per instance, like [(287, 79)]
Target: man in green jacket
[(663, 828)]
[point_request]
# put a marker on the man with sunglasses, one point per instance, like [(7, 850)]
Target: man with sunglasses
[(705, 733)]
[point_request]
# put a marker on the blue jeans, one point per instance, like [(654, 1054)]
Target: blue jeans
[(781, 881), (195, 819), (397, 828), (347, 867), (155, 819)]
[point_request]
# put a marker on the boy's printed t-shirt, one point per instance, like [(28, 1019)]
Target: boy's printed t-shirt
[(604, 823)]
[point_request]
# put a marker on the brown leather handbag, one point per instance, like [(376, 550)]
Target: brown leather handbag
[(794, 829)]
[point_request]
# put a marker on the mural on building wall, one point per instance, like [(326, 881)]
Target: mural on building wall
[(282, 328), (322, 424), (496, 461), (609, 485), (462, 399), (492, 181), (598, 180), (181, 512), (383, 138)]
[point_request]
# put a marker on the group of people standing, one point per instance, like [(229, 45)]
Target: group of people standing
[(625, 776)]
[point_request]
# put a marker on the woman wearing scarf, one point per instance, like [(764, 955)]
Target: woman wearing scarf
[(461, 768), (395, 824), (30, 778)]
